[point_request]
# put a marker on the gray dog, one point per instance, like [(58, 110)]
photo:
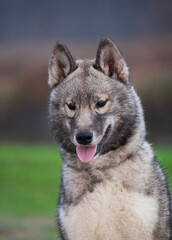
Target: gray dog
[(112, 187)]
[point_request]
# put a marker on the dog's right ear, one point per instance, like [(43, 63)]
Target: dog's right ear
[(61, 64)]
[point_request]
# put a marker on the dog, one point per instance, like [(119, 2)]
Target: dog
[(112, 187)]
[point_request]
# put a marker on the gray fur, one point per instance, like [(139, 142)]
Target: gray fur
[(119, 131)]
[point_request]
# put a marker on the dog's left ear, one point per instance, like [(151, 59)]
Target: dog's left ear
[(61, 64), (110, 61)]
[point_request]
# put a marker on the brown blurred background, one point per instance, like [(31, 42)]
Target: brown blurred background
[(28, 30)]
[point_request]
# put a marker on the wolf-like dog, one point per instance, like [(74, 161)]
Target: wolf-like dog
[(112, 187)]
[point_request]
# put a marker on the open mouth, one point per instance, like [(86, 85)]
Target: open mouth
[(86, 153)]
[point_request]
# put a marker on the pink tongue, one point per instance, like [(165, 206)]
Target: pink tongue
[(85, 154)]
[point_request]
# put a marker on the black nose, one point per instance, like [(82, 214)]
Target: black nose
[(84, 138)]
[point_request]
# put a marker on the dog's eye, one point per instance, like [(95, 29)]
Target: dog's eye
[(71, 106), (101, 103)]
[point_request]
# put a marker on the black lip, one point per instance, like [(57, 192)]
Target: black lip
[(103, 140), (98, 149)]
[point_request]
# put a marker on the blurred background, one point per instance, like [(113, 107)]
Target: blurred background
[(29, 159)]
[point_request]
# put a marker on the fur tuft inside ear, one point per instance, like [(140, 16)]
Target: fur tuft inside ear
[(61, 64), (110, 61)]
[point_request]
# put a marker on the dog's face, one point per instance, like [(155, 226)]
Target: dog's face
[(91, 103)]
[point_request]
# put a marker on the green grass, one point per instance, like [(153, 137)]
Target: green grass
[(164, 155), (29, 179), (29, 186)]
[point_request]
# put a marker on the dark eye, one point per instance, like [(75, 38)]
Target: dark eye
[(101, 103), (71, 106)]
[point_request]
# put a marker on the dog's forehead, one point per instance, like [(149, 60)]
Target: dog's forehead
[(88, 79), (86, 83)]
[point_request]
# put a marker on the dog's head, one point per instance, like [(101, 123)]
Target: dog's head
[(92, 106)]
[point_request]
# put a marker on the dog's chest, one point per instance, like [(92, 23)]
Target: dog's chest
[(111, 212)]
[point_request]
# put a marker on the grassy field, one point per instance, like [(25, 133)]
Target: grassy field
[(29, 185)]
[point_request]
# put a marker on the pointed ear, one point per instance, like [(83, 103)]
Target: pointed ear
[(110, 61), (61, 64)]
